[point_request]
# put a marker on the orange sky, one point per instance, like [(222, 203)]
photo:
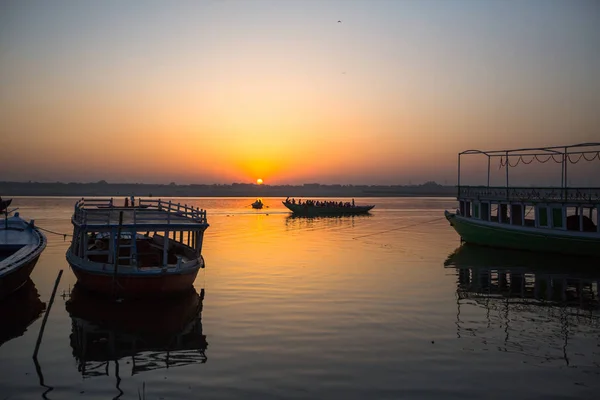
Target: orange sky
[(230, 91)]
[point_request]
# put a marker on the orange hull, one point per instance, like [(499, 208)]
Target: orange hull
[(136, 286)]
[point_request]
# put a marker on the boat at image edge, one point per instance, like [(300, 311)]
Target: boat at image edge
[(21, 244), (314, 210), (148, 250), (545, 219)]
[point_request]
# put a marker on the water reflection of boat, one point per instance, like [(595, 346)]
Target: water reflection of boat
[(153, 334), (487, 272), (18, 311), (328, 217), (536, 306), (471, 255), (293, 221)]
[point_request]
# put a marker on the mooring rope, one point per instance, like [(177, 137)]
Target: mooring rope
[(64, 235), (399, 228)]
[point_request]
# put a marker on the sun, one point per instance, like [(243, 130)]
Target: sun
[(259, 181)]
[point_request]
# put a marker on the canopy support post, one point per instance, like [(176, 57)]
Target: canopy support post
[(458, 194), (507, 165), (488, 176)]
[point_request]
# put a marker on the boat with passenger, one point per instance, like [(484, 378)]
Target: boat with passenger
[(325, 207), (152, 249), (21, 244), (559, 219), (258, 204)]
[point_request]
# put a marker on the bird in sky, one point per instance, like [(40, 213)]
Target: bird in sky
[(339, 22)]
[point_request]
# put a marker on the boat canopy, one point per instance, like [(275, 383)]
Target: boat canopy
[(564, 155), (574, 149)]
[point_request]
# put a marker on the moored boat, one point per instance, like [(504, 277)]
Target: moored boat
[(316, 208), (545, 219), (151, 250), (21, 244)]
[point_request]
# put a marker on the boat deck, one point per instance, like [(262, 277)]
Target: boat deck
[(18, 243), (15, 238), (148, 214), (137, 216)]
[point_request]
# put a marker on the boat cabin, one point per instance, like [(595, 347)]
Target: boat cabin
[(582, 215)]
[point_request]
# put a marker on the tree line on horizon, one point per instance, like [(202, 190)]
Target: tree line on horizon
[(104, 188)]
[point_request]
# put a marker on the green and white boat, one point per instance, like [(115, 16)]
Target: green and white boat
[(547, 219)]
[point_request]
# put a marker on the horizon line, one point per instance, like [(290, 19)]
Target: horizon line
[(104, 182)]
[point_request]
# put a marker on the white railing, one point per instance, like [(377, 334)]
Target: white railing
[(99, 211), (174, 209), (533, 194)]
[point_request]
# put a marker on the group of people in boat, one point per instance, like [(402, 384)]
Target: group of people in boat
[(319, 203)]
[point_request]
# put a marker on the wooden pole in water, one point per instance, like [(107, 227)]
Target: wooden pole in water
[(39, 339)]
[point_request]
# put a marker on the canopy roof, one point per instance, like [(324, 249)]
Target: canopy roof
[(581, 148)]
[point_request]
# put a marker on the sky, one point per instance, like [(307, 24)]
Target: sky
[(349, 92)]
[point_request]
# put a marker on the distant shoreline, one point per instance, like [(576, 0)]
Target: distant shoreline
[(430, 189)]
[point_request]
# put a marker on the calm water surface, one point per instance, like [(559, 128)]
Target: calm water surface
[(378, 306)]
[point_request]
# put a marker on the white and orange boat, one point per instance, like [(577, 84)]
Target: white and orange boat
[(152, 249)]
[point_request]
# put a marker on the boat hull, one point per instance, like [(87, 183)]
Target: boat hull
[(135, 285), (302, 209), (523, 238), (21, 245)]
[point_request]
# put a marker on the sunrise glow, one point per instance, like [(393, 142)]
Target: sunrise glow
[(223, 92), (259, 181)]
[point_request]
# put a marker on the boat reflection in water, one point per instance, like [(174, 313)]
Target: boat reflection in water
[(150, 334), (541, 306), (294, 221), (19, 310)]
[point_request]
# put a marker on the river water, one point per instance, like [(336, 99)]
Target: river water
[(382, 306)]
